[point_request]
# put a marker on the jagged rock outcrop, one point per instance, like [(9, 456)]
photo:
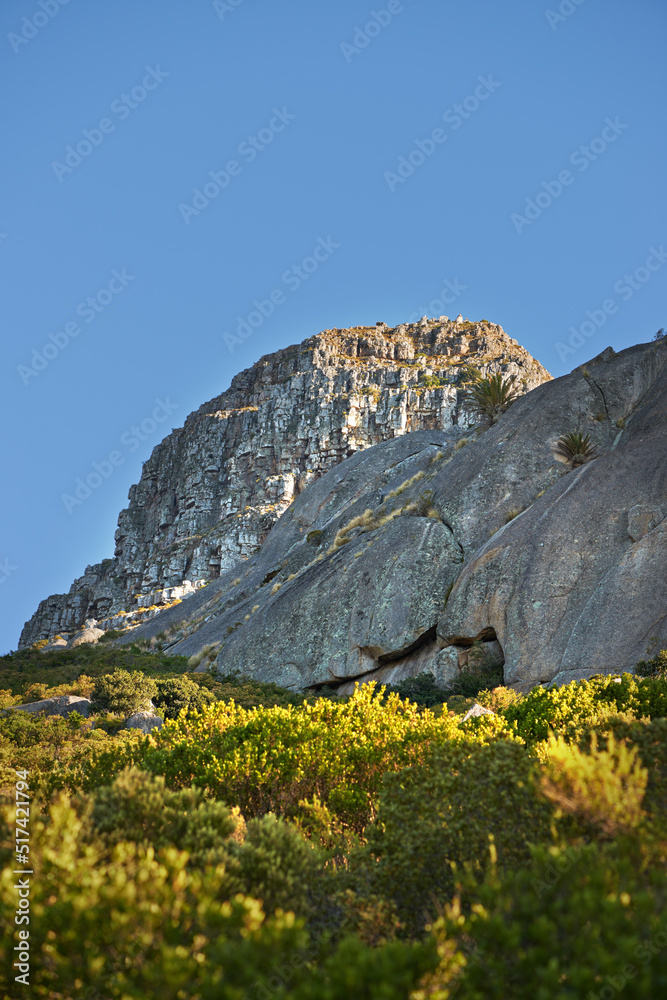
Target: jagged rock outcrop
[(420, 550), (212, 490)]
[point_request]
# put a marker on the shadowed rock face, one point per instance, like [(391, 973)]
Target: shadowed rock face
[(212, 490), (399, 558), (578, 582)]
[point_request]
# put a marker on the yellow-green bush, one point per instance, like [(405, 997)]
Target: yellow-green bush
[(177, 694), (286, 850), (573, 708), (603, 788), (269, 759), (267, 858), (650, 740), (49, 747)]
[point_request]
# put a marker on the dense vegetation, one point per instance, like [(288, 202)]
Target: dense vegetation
[(263, 844)]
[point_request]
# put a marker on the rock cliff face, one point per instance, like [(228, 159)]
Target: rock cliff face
[(213, 489), (425, 549)]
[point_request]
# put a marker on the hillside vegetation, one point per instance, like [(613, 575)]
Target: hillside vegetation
[(263, 844)]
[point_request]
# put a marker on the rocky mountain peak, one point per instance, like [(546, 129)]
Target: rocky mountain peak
[(212, 490)]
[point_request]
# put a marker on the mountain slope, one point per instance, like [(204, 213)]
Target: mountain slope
[(418, 553), (212, 490)]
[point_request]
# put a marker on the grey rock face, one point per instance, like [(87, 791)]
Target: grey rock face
[(559, 572), (145, 721), (643, 518), (364, 606), (62, 705), (578, 582), (212, 490), (442, 549)]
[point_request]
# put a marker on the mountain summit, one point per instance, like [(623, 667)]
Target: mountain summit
[(212, 490), (361, 508)]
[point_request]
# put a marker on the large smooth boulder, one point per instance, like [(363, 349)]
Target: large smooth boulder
[(56, 643), (145, 721), (63, 704), (363, 606), (85, 636)]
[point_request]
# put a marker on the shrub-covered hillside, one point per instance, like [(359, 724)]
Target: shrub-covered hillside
[(265, 845)]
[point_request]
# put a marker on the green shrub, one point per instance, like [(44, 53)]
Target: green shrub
[(22, 729), (62, 667), (573, 923), (268, 859), (247, 692), (655, 667), (178, 693), (138, 806), (445, 812), (470, 373), (276, 865), (128, 923), (650, 741), (571, 710), (421, 690), (474, 679), (123, 692), (432, 381), (110, 635)]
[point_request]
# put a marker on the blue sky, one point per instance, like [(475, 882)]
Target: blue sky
[(516, 150)]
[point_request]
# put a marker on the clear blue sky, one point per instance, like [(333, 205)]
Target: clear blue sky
[(314, 117)]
